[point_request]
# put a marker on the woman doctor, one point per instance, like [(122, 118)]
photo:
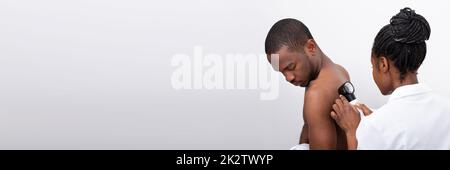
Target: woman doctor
[(414, 117)]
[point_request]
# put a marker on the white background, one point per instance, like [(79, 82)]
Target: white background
[(95, 74)]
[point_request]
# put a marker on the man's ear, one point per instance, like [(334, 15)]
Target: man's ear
[(383, 64), (310, 47)]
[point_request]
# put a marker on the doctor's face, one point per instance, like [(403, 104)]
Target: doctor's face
[(381, 75)]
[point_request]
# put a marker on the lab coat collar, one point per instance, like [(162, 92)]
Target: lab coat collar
[(408, 90)]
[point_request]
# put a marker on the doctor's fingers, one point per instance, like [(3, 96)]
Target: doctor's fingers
[(364, 109), (344, 100), (337, 109), (334, 115), (339, 104), (346, 106)]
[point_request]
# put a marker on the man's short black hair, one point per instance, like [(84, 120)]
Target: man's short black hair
[(403, 41), (290, 32)]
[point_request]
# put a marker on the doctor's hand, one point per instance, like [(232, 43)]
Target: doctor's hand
[(364, 108), (346, 115)]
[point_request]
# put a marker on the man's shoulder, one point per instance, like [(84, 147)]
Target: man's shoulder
[(343, 71), (317, 99), (315, 92), (318, 93)]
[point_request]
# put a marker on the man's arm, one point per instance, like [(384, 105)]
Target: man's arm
[(304, 134), (321, 127), (348, 118)]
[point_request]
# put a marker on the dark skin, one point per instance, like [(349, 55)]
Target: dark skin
[(309, 67), (387, 78)]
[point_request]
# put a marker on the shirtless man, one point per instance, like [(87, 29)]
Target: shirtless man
[(303, 64)]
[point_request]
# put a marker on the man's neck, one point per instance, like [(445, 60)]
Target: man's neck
[(321, 63)]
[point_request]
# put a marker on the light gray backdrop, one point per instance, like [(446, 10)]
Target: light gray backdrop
[(96, 74)]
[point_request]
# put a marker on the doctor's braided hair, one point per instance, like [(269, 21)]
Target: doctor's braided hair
[(403, 41)]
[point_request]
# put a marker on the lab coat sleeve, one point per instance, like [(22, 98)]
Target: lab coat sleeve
[(369, 136)]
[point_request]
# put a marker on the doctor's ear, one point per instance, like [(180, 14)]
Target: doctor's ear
[(383, 64)]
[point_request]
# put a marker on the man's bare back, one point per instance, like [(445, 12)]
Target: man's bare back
[(320, 131)]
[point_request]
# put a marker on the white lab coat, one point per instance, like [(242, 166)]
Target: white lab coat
[(413, 118)]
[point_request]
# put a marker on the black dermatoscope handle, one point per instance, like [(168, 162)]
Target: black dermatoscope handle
[(347, 90)]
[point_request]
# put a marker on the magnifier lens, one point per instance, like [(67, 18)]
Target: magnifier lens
[(349, 87)]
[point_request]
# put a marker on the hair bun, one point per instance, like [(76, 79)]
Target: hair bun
[(409, 27)]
